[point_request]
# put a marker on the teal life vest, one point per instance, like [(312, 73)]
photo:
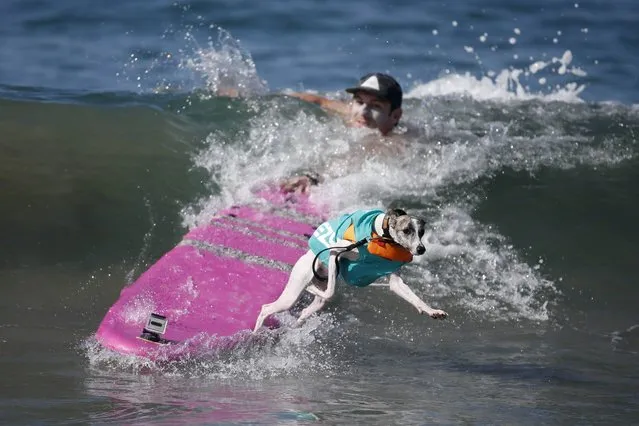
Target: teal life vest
[(377, 259)]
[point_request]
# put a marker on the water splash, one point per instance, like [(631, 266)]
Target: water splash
[(220, 66), (226, 67), (626, 341), (476, 266), (510, 84), (461, 140), (284, 352)]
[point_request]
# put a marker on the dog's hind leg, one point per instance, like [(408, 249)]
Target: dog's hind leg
[(332, 269), (300, 277), (321, 296), (317, 304)]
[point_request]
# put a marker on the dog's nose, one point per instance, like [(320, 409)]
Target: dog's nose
[(421, 249)]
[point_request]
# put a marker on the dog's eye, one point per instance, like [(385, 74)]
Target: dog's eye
[(407, 231)]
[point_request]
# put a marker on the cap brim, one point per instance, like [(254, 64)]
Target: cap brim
[(354, 90)]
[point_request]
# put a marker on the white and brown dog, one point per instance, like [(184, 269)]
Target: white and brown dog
[(360, 247)]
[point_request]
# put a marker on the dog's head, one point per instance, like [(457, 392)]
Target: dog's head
[(406, 230)]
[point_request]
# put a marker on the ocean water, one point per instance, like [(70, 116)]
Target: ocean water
[(114, 141)]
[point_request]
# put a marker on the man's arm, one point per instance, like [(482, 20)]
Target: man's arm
[(398, 287), (328, 104)]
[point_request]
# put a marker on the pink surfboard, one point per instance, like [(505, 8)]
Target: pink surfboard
[(209, 289)]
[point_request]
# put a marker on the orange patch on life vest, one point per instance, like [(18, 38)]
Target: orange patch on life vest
[(389, 250), (349, 234), (378, 247)]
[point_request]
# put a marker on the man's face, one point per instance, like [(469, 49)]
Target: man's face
[(367, 110)]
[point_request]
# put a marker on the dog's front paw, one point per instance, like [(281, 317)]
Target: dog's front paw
[(437, 314)]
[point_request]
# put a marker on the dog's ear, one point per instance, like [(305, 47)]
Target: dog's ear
[(396, 212), (392, 215)]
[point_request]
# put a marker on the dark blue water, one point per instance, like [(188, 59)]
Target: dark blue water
[(128, 46), (114, 142)]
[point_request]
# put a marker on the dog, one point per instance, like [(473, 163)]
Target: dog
[(360, 247)]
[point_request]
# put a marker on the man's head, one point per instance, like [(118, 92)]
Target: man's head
[(377, 102)]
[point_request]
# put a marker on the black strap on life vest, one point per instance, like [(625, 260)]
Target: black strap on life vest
[(347, 248)]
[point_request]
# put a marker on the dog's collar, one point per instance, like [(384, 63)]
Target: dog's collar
[(381, 226)]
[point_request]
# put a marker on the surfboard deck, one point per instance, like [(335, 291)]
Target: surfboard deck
[(214, 282)]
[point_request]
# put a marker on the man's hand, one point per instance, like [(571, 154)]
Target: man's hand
[(300, 184)]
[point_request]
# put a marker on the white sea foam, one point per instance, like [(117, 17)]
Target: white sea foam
[(491, 279), (475, 264), (463, 140), (281, 353), (137, 310), (509, 84), (626, 340), (228, 69)]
